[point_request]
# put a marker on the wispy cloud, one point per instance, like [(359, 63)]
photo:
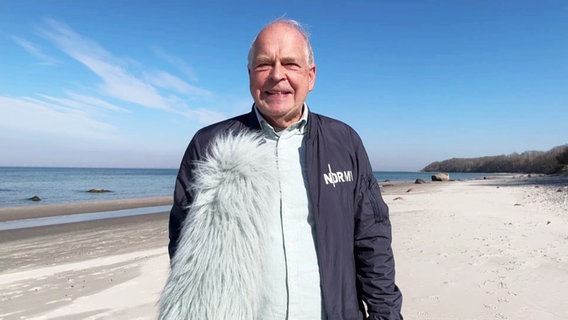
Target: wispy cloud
[(50, 131), (95, 102), (74, 118), (89, 113), (178, 63), (119, 81), (204, 116), (83, 103), (34, 116), (35, 51), (168, 81)]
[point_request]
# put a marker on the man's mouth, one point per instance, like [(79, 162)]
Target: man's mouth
[(277, 92)]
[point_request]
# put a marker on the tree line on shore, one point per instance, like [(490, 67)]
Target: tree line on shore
[(547, 162)]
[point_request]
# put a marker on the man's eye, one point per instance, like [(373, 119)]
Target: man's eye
[(262, 66), (292, 66)]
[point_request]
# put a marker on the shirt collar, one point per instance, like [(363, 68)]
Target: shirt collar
[(299, 126)]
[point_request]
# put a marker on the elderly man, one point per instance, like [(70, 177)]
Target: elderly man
[(315, 240)]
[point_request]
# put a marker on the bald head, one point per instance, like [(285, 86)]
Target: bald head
[(293, 25)]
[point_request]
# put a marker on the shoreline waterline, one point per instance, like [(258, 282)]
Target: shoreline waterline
[(49, 210), (79, 217)]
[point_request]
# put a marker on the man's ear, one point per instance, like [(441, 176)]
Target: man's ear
[(312, 76)]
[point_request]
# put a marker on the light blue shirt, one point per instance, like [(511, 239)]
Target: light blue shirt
[(293, 278)]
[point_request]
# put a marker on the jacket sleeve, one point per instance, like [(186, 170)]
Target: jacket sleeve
[(183, 195), (373, 253)]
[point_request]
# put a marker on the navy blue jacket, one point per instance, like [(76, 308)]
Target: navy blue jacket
[(353, 231)]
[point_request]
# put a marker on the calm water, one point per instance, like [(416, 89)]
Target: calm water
[(63, 185)]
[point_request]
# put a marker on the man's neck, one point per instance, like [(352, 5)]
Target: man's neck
[(284, 122)]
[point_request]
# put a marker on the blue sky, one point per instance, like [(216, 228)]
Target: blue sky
[(127, 83)]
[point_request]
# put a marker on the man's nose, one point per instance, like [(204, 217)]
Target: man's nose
[(278, 72)]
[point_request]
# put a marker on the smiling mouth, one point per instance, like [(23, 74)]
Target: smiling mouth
[(276, 93)]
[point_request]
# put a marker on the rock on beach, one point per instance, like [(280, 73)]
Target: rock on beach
[(441, 177), (98, 190)]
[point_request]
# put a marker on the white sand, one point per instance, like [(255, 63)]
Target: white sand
[(132, 299), (471, 250), (464, 250)]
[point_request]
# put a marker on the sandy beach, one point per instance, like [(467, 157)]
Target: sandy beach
[(480, 249)]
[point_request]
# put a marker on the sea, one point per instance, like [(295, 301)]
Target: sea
[(67, 185)]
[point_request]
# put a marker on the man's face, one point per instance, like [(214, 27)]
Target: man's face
[(279, 74)]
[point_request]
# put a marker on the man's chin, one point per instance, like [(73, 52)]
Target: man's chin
[(274, 109)]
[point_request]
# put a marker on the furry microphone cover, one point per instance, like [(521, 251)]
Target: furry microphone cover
[(217, 271)]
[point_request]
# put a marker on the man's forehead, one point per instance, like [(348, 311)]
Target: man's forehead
[(286, 46), (283, 58), (279, 33), (279, 28)]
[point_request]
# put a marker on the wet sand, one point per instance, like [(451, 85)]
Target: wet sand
[(39, 210)]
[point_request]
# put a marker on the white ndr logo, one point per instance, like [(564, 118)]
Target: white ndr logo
[(337, 177)]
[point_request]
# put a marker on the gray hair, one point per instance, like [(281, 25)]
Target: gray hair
[(296, 25)]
